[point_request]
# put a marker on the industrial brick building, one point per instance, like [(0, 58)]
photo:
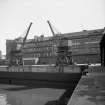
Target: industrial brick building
[(12, 50), (42, 50), (84, 47)]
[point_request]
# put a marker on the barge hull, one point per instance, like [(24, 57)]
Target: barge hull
[(41, 79)]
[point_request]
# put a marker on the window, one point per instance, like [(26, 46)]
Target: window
[(47, 54)]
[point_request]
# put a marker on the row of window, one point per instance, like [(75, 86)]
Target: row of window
[(89, 44), (42, 43), (85, 45), (74, 42), (41, 49), (87, 40), (86, 50), (40, 54), (44, 54), (39, 44)]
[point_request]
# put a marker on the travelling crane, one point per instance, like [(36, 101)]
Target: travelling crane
[(63, 56), (27, 32), (51, 27), (17, 54), (24, 41)]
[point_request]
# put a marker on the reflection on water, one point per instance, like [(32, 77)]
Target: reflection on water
[(28, 96), (3, 99)]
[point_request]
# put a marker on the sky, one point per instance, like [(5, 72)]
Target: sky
[(66, 16)]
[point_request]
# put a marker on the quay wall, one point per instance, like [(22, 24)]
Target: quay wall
[(40, 68)]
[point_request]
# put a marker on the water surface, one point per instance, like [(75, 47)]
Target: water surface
[(23, 95)]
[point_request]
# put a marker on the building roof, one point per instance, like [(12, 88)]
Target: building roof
[(84, 33)]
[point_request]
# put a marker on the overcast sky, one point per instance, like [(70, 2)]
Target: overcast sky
[(66, 15)]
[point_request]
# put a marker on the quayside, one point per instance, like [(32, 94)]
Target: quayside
[(44, 79)]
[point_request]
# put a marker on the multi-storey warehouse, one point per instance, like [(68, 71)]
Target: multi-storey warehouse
[(40, 50), (43, 50), (84, 47)]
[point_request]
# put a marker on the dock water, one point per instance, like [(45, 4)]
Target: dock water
[(63, 82), (23, 95)]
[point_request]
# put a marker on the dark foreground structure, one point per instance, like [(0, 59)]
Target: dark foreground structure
[(42, 79), (90, 89), (102, 49), (67, 81)]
